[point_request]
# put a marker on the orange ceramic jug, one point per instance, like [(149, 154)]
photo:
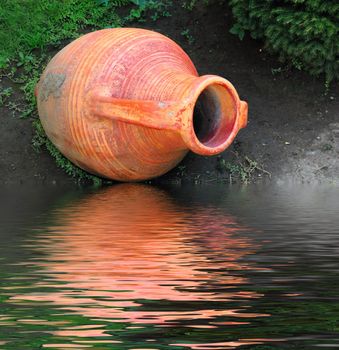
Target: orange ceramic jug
[(127, 104)]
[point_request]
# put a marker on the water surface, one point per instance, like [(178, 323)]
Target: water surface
[(141, 267)]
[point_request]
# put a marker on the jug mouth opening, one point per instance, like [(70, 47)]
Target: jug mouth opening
[(214, 117)]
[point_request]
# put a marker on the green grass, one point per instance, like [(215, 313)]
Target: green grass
[(26, 25)]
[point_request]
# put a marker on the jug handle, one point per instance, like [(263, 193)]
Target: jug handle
[(161, 115), (243, 113)]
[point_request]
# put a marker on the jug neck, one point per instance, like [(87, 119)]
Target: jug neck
[(215, 116)]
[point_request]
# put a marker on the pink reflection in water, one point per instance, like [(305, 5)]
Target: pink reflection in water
[(218, 346), (129, 243)]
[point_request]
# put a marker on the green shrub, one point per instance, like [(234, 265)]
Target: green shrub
[(303, 32)]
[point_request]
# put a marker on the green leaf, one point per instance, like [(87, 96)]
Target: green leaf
[(237, 30)]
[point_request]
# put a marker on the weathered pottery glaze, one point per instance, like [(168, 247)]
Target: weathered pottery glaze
[(127, 104)]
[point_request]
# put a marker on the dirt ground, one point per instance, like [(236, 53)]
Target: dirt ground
[(293, 129)]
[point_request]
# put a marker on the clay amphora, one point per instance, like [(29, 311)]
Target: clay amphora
[(127, 104)]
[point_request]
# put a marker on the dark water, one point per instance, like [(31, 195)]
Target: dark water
[(138, 267)]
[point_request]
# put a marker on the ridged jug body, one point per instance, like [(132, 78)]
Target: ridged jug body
[(119, 103)]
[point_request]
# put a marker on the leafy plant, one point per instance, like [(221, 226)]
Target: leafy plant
[(40, 140), (189, 37), (4, 95), (154, 8), (302, 32), (190, 4), (243, 170)]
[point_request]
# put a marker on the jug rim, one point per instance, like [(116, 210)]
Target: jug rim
[(222, 119)]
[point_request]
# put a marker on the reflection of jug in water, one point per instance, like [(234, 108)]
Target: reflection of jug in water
[(132, 242), (124, 104)]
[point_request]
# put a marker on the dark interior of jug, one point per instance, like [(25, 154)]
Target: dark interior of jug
[(214, 115)]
